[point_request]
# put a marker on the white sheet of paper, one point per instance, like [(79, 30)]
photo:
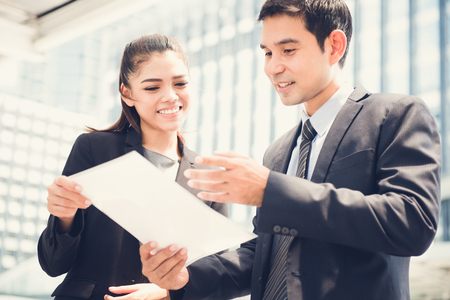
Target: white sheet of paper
[(138, 197)]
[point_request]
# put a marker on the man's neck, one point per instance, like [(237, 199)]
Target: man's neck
[(312, 105)]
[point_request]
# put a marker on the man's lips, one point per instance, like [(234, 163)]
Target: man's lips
[(285, 84)]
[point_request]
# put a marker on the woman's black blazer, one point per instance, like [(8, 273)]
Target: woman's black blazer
[(98, 253)]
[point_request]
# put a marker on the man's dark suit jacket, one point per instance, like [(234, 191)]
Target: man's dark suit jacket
[(372, 202), (98, 253)]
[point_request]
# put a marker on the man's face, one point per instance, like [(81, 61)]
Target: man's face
[(295, 64)]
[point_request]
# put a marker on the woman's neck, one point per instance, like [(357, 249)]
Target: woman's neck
[(164, 143)]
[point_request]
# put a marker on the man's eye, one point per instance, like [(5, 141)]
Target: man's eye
[(268, 54), (289, 50)]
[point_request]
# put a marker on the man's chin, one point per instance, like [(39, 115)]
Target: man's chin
[(289, 101)]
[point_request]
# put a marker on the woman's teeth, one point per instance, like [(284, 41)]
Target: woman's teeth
[(169, 111)]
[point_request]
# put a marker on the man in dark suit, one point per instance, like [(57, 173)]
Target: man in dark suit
[(366, 197)]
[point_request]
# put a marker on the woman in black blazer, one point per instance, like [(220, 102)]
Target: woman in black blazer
[(81, 241)]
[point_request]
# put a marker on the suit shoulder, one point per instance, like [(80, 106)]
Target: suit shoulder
[(93, 148), (105, 135), (384, 104), (101, 137), (387, 99)]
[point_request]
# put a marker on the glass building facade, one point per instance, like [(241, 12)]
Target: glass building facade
[(399, 46)]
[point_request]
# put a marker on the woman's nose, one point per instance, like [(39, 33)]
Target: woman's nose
[(170, 96)]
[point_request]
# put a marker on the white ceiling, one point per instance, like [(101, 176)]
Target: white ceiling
[(28, 28), (22, 11)]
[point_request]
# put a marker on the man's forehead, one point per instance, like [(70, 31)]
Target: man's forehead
[(281, 24), (281, 29)]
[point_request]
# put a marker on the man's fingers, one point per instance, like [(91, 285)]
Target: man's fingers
[(159, 269), (145, 250), (222, 197), (173, 274), (170, 262), (230, 154), (151, 261), (204, 174), (217, 161), (166, 268), (210, 186)]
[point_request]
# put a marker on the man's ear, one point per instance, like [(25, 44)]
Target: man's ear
[(338, 42), (126, 95)]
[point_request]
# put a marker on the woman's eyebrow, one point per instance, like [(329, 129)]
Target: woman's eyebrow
[(179, 76), (151, 80)]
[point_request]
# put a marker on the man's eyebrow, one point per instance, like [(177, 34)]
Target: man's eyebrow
[(286, 41), (282, 42)]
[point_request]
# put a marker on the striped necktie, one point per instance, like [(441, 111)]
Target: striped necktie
[(276, 288)]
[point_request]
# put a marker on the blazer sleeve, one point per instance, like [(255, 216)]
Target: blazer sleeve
[(400, 218), (56, 251)]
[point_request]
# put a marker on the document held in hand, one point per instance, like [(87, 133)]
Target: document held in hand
[(137, 196)]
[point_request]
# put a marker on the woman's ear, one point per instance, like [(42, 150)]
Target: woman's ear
[(338, 42), (126, 95)]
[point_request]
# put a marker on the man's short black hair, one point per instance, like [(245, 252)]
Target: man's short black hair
[(321, 17)]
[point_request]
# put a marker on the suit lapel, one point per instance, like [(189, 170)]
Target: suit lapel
[(186, 162), (279, 160), (337, 131)]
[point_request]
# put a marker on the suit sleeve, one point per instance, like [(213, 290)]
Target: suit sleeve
[(400, 218), (56, 251)]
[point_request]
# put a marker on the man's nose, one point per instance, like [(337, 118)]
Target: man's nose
[(274, 66)]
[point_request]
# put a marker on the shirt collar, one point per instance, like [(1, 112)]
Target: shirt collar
[(324, 116)]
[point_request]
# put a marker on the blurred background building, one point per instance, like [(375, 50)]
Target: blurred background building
[(59, 64)]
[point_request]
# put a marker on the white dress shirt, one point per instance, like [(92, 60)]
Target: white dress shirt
[(321, 121)]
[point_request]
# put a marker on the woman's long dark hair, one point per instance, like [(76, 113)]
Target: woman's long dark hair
[(135, 54)]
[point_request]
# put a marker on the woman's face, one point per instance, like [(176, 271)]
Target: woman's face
[(160, 93)]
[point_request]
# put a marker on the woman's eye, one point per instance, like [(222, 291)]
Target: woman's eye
[(151, 88), (184, 83)]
